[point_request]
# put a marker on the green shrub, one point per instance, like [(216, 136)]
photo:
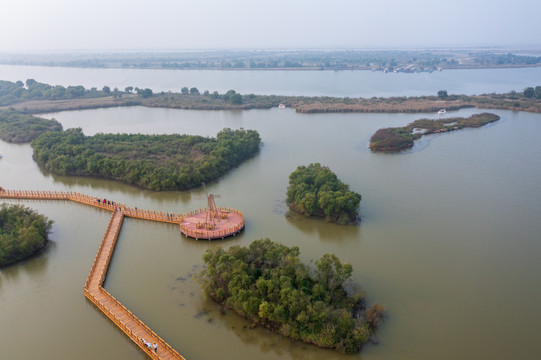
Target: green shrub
[(316, 190), (23, 232), (267, 283)]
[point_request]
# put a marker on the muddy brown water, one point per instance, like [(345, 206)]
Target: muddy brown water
[(449, 240)]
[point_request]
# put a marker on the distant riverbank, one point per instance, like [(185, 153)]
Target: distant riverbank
[(389, 60), (303, 68), (308, 105)]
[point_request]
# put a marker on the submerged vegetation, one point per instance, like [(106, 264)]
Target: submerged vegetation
[(23, 232), (400, 138), (157, 162), (316, 191), (267, 283), (23, 128)]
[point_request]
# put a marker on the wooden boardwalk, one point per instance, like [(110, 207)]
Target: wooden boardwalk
[(231, 225), (93, 289)]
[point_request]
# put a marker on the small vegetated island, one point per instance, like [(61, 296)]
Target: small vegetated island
[(267, 283), (157, 162), (400, 138), (23, 233), (23, 128), (315, 190)]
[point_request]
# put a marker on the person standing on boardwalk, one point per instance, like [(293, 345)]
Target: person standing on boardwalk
[(155, 348)]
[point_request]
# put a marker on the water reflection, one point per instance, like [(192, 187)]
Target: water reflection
[(267, 341), (38, 264), (323, 230), (32, 266), (94, 183), (11, 273)]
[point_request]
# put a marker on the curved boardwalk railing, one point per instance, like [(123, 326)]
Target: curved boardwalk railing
[(130, 324), (212, 234)]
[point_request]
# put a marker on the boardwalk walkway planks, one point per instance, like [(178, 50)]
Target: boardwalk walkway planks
[(93, 289)]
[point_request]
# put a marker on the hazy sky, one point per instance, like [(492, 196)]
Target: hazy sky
[(27, 25)]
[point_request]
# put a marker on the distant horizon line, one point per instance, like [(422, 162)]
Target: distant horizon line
[(535, 47)]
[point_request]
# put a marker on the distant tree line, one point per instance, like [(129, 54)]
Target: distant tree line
[(13, 92), (23, 232), (308, 59), (230, 96), (316, 190), (505, 59), (267, 283), (157, 162), (194, 99), (23, 128)]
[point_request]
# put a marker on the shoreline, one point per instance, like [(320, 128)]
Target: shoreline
[(307, 68), (301, 104)]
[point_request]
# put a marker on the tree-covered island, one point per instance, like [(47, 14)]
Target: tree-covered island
[(22, 128), (23, 233), (315, 190), (267, 283), (400, 138), (157, 162)]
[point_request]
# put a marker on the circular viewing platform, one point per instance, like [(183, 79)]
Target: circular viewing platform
[(217, 224)]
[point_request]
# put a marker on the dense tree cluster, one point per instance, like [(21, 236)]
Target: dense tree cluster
[(267, 283), (157, 162), (442, 94), (23, 232), (22, 128), (13, 92), (316, 190), (531, 92), (387, 140), (144, 93)]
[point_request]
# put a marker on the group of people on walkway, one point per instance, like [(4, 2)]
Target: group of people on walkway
[(150, 346), (105, 202), (108, 202), (169, 216)]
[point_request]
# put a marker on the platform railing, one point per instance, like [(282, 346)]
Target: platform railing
[(93, 285), (94, 282), (212, 234)]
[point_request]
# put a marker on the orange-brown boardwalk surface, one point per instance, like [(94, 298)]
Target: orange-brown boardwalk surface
[(231, 224), (93, 289)]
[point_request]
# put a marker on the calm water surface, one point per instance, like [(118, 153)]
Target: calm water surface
[(449, 240), (309, 83)]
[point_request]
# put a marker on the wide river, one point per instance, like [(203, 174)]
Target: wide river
[(279, 82), (449, 239)]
